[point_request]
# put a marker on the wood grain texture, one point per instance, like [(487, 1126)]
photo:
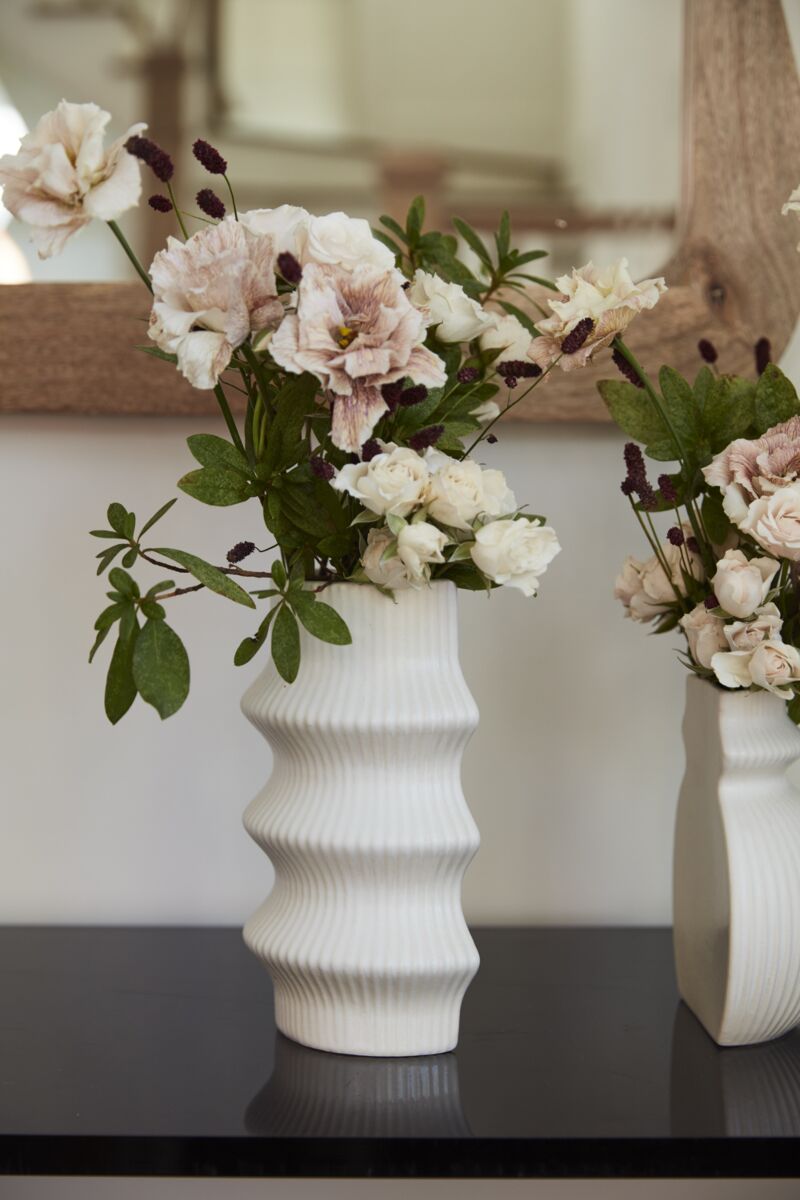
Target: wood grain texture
[(735, 275)]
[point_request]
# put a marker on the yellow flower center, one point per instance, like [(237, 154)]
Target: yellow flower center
[(345, 335)]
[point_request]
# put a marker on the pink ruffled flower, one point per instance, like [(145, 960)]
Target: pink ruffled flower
[(356, 331), (747, 470)]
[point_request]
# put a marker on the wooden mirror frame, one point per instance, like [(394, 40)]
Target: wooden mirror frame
[(734, 277)]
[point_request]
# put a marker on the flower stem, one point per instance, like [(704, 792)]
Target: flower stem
[(222, 400), (177, 211), (512, 404), (123, 241), (233, 198)]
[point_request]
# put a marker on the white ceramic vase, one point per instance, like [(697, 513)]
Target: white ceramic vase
[(736, 881), (367, 828)]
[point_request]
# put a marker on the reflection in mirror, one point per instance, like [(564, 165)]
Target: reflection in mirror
[(314, 1094), (732, 1091), (566, 113)]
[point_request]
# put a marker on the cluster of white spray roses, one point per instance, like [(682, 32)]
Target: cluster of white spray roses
[(430, 501)]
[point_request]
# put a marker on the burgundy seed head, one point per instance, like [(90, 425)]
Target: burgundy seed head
[(711, 601), (626, 487), (239, 551), (468, 375), (512, 366), (289, 267), (625, 368), (152, 155), (693, 545), (575, 339), (675, 536), (425, 437), (391, 393), (370, 449), (637, 472), (320, 468), (210, 203), (491, 439), (414, 395), (708, 351), (667, 489), (763, 353), (160, 203), (209, 158), (511, 381)]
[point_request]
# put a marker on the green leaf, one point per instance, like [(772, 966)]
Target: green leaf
[(161, 667), (528, 256), (632, 410), (522, 317), (102, 634), (462, 552), (728, 412), (153, 610), (278, 572), (320, 619), (214, 579), (775, 399), (286, 644), (103, 533), (415, 218), (395, 227), (116, 517), (502, 239), (293, 403), (681, 406), (131, 557), (106, 557), (715, 518), (163, 586), (213, 451), (703, 383), (217, 486), (387, 241), (248, 648), (120, 690), (467, 576), (154, 352), (129, 525), (473, 241), (793, 709), (122, 582), (157, 516)]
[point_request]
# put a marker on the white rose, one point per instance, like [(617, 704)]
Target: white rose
[(764, 626), (287, 225), (628, 590), (515, 552), (705, 633), (418, 545), (343, 241), (486, 412), (385, 572), (774, 522), (394, 481), (775, 666), (447, 305), (741, 585), (509, 336), (63, 176), (460, 490), (732, 668)]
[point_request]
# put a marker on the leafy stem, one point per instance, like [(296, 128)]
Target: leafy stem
[(123, 241)]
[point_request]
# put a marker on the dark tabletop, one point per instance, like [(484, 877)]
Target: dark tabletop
[(154, 1052)]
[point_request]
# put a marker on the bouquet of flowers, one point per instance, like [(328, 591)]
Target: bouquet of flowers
[(368, 365), (728, 573)]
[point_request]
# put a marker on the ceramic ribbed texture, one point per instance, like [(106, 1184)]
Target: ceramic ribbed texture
[(365, 822), (737, 866)]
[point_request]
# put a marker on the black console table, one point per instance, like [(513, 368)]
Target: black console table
[(154, 1052)]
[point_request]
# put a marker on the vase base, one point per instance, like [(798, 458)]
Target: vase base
[(361, 1031)]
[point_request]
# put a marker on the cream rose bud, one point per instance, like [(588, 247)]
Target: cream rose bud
[(764, 626), (447, 306), (732, 668), (338, 240), (515, 553), (418, 545), (393, 482), (486, 412), (705, 634), (509, 336), (460, 490), (287, 225), (741, 584), (775, 667), (774, 522), (385, 572)]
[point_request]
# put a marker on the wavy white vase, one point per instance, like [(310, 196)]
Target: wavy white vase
[(366, 825), (736, 886)]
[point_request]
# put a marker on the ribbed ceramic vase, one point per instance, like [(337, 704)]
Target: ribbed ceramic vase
[(736, 880), (366, 825)]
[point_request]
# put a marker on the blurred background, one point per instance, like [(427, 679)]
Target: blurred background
[(565, 111)]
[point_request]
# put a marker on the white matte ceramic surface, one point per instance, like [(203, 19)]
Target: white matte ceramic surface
[(366, 824), (737, 866)]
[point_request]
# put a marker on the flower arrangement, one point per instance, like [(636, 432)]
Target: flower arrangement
[(369, 365), (728, 573)]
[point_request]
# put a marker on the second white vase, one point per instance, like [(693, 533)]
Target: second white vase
[(367, 828), (737, 866)]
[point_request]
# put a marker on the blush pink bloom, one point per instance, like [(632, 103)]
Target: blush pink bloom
[(63, 176), (209, 294), (747, 470), (608, 297), (355, 330)]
